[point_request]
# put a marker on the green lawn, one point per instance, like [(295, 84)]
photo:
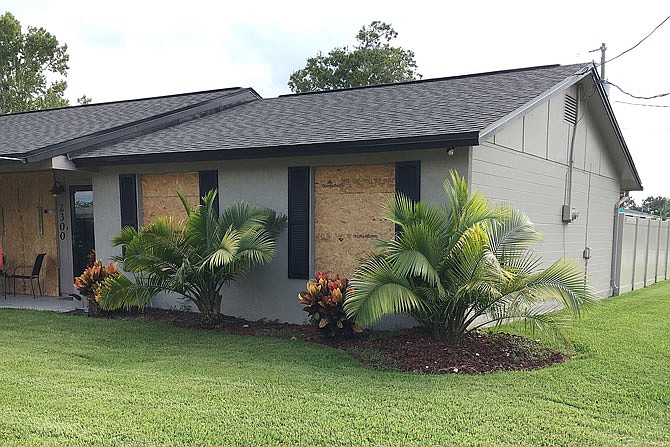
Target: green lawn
[(67, 381)]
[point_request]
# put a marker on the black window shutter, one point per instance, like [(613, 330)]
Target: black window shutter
[(128, 200), (408, 179), (298, 222), (209, 180)]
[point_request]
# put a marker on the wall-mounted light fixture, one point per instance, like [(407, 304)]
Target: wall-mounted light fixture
[(57, 189), (450, 151)]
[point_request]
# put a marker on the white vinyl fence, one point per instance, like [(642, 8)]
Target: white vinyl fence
[(642, 249)]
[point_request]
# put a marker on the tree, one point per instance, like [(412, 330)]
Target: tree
[(195, 258), (32, 67), (658, 206), (632, 205), (83, 100), (372, 61), (458, 267)]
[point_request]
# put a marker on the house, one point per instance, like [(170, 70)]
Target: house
[(543, 139)]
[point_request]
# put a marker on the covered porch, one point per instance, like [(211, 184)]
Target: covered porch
[(50, 303), (47, 211)]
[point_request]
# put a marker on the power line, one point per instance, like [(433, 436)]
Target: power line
[(644, 105), (660, 95), (637, 44)]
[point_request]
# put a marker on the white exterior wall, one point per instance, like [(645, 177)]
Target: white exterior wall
[(267, 292), (526, 165)]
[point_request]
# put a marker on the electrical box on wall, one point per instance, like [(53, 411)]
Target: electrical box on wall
[(568, 213)]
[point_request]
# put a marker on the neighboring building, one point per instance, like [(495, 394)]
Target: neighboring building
[(543, 139)]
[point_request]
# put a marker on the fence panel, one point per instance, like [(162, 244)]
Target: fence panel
[(640, 253), (644, 250), (627, 254), (652, 252), (663, 251)]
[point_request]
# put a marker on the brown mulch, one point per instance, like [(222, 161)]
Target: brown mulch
[(400, 350)]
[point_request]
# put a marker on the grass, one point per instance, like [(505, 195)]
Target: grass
[(83, 381)]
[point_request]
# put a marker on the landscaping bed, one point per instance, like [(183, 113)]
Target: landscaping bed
[(401, 350)]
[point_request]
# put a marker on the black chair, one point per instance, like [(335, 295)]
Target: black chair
[(35, 274)]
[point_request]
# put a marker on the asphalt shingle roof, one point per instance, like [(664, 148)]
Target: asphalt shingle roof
[(425, 108), (25, 132)]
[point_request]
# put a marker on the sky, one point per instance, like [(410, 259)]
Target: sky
[(131, 49)]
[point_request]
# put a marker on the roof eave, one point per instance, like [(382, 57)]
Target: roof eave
[(338, 148), (637, 186)]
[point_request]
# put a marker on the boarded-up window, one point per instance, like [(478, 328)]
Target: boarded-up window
[(347, 214), (28, 226), (159, 194)]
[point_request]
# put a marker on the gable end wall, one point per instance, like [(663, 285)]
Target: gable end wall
[(526, 165)]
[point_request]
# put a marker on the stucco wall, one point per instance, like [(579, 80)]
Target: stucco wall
[(526, 165), (267, 291)]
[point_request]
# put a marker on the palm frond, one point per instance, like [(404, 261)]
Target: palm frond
[(119, 291), (226, 253), (124, 237), (563, 281), (510, 234), (377, 290), (257, 247), (184, 202), (274, 223), (416, 253)]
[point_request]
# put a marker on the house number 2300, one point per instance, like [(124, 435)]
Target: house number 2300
[(61, 221)]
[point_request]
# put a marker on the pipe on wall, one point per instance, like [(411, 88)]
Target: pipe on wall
[(617, 241)]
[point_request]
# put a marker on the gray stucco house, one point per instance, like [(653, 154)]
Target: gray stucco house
[(544, 139)]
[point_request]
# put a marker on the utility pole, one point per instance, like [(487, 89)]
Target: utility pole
[(603, 81), (602, 49)]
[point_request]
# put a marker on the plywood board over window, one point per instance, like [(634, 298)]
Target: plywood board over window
[(159, 194), (28, 226), (347, 214)]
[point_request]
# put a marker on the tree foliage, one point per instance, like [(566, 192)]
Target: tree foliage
[(195, 258), (372, 61), (32, 67), (658, 206), (458, 267)]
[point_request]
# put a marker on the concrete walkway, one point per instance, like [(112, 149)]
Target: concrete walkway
[(51, 303)]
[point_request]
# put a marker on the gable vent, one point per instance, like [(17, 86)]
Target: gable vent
[(570, 114)]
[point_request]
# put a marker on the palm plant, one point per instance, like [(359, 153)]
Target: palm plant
[(194, 258), (458, 267)]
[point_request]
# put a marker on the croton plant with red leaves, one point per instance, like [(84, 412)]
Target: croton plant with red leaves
[(323, 301), (90, 282)]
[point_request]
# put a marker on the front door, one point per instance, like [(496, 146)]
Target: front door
[(83, 239)]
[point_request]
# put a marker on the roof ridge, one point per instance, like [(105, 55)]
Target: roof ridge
[(149, 123), (443, 78), (121, 101)]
